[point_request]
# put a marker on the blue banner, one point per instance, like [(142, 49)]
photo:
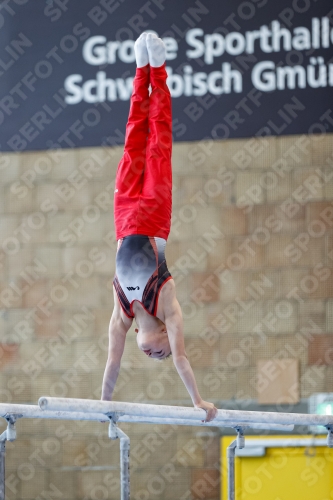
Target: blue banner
[(257, 68)]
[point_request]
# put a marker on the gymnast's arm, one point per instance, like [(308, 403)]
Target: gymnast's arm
[(118, 329), (174, 326)]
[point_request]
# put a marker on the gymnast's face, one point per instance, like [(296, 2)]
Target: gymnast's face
[(154, 343)]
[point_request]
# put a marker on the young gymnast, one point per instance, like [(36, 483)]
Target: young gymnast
[(143, 287)]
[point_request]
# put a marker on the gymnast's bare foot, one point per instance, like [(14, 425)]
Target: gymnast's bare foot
[(140, 49), (156, 50)]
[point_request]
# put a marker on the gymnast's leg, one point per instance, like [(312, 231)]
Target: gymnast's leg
[(129, 178), (155, 215)]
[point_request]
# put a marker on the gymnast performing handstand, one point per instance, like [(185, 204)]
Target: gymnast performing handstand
[(143, 287)]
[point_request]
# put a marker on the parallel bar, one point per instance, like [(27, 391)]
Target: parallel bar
[(133, 409), (178, 421), (266, 442), (142, 410), (33, 411)]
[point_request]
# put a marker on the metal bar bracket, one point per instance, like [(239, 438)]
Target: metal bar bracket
[(113, 429), (114, 416), (240, 437), (10, 433)]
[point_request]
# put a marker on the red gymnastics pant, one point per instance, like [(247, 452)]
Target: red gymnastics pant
[(143, 188)]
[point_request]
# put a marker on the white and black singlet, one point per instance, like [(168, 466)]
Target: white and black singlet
[(141, 271)]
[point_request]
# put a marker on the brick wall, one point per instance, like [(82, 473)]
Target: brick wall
[(251, 254)]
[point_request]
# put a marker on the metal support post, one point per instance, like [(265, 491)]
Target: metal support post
[(124, 465), (2, 467), (239, 442), (116, 433), (8, 435), (330, 436), (231, 469)]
